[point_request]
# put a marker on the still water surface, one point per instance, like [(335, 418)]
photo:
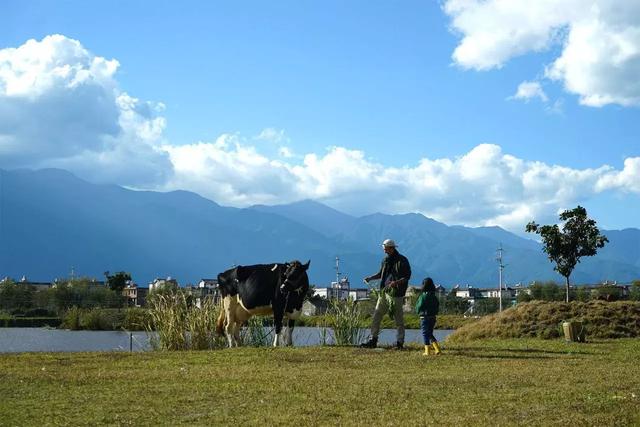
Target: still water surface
[(13, 340)]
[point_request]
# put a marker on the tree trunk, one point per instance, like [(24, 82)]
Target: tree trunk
[(567, 287)]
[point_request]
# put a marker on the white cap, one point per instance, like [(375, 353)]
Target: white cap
[(388, 243)]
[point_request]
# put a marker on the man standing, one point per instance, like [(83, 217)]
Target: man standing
[(394, 275)]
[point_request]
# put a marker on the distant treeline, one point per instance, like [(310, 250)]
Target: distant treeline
[(24, 300)]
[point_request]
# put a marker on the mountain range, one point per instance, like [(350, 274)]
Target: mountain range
[(52, 222)]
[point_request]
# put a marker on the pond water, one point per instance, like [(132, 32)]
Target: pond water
[(14, 340)]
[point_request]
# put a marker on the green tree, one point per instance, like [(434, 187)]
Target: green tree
[(634, 292), (118, 281), (15, 297), (607, 293), (582, 294), (523, 297), (551, 291), (545, 291), (578, 238), (452, 304), (82, 293)]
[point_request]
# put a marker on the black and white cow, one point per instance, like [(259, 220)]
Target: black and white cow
[(262, 289)]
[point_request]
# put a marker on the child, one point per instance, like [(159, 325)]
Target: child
[(427, 307)]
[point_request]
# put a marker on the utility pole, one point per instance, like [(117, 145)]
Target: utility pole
[(500, 269), (338, 287)]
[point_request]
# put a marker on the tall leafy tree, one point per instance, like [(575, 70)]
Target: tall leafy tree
[(118, 281), (579, 237)]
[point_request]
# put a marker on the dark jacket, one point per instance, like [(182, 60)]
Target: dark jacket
[(427, 304), (395, 267)]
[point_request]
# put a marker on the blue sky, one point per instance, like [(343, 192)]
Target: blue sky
[(363, 105)]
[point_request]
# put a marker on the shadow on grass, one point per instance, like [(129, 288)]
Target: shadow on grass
[(517, 350), (511, 353)]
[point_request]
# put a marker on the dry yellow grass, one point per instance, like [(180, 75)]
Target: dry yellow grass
[(543, 320)]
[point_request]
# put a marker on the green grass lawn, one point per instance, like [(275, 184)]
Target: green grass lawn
[(501, 382)]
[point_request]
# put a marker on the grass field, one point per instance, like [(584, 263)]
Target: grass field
[(500, 382)]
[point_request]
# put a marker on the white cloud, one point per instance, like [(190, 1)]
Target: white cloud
[(530, 90), (482, 187), (60, 106), (272, 135), (627, 180), (599, 40)]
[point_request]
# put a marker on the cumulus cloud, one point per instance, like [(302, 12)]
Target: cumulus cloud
[(530, 90), (599, 42), (60, 106), (482, 187)]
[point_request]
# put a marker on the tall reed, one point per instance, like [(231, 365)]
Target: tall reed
[(180, 325), (255, 334), (346, 320)]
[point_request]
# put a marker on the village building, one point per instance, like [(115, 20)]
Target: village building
[(163, 284), (136, 296)]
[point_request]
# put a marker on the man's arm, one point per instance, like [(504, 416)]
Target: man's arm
[(374, 277)]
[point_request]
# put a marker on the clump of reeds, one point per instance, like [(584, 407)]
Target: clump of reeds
[(543, 319), (181, 325), (255, 334), (346, 320)]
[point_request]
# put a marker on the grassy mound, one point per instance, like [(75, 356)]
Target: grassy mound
[(544, 320)]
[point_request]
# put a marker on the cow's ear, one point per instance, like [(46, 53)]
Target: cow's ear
[(306, 266)]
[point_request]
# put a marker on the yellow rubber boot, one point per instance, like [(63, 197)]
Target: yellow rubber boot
[(436, 348), (427, 350)]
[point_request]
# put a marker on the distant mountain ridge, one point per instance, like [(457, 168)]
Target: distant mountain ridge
[(51, 221)]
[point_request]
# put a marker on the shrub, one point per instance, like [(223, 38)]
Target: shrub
[(136, 319), (95, 319), (39, 312), (101, 319), (71, 319)]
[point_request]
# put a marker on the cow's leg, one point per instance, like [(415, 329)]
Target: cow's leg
[(236, 333), (230, 320), (289, 332), (292, 317), (277, 323)]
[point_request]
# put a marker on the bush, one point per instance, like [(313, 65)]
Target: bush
[(71, 319), (8, 321), (95, 319), (39, 312), (136, 319), (543, 319)]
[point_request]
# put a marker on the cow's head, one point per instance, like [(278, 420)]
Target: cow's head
[(228, 281), (295, 276)]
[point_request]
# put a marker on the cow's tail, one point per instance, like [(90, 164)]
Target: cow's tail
[(220, 321)]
